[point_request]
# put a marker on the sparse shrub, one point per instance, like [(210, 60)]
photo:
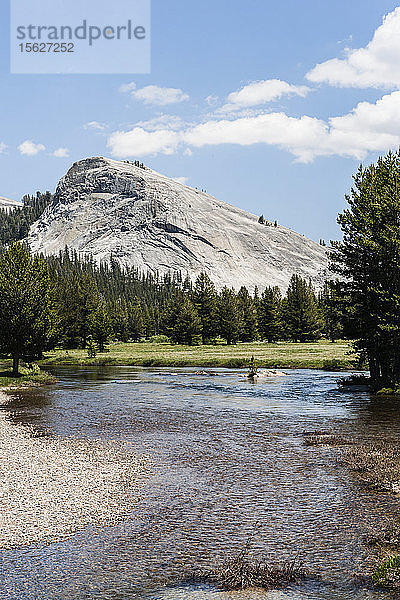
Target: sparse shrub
[(386, 537), (389, 392), (387, 573), (240, 573), (376, 465), (91, 347), (252, 368)]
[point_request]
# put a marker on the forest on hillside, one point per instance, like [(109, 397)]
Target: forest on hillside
[(107, 302)]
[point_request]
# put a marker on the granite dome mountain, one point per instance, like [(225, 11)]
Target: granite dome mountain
[(107, 208)]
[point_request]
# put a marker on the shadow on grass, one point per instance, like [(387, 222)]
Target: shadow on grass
[(27, 377)]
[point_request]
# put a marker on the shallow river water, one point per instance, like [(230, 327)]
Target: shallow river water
[(227, 459)]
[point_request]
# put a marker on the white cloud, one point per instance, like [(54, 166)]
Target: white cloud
[(211, 100), (139, 142), (171, 122), (155, 95), (29, 148), (3, 147), (61, 153), (376, 65), (94, 125), (299, 136), (127, 87), (261, 92), (183, 180), (369, 127)]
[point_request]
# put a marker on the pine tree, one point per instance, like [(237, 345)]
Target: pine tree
[(229, 317), (269, 314), (248, 316), (100, 325), (187, 284), (78, 300), (28, 320), (300, 311), (368, 259), (135, 321), (204, 298), (91, 347), (120, 320), (331, 308), (181, 321)]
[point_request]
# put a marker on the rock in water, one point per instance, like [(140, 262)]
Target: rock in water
[(107, 208)]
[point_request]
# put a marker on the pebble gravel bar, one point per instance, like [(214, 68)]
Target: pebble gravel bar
[(51, 487)]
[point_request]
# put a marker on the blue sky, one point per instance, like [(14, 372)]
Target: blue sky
[(234, 103)]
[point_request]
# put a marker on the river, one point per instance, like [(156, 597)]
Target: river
[(226, 460)]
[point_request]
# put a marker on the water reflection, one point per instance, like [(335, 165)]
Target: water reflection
[(226, 453), (28, 409)]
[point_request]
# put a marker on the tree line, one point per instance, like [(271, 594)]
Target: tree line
[(74, 303), (15, 224)]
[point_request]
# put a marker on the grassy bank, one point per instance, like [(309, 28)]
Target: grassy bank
[(318, 355), (28, 378)]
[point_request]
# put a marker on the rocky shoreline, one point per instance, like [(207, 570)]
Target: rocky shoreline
[(52, 487)]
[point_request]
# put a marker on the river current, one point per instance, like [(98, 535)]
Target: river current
[(227, 460)]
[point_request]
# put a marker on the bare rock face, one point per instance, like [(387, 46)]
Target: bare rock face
[(141, 218), (9, 205)]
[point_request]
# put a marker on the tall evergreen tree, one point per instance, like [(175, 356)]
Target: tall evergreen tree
[(368, 259), (300, 311), (28, 321), (100, 325), (14, 225), (78, 301), (120, 319), (248, 316), (135, 321), (269, 314), (331, 308), (181, 321), (229, 316), (204, 298)]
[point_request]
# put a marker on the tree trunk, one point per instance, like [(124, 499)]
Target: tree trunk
[(15, 365), (396, 368), (375, 370)]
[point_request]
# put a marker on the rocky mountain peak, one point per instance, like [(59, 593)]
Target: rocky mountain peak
[(122, 209)]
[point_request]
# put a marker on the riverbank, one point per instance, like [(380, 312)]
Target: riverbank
[(282, 355), (57, 486), (28, 378)]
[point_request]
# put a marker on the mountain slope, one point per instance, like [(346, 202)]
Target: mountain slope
[(7, 204), (144, 219)]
